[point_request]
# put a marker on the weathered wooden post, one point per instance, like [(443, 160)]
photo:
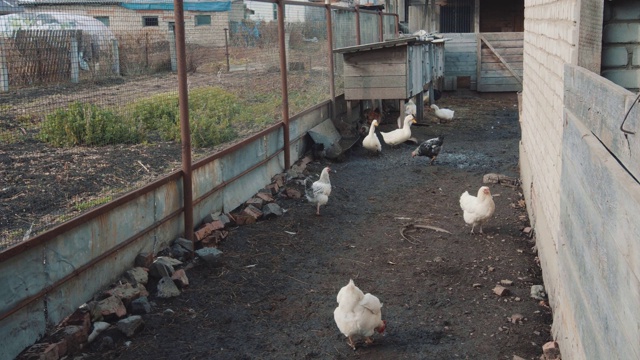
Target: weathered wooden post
[(116, 57), (4, 68), (226, 47), (172, 47), (73, 55)]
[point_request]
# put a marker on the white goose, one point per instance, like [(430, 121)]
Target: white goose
[(443, 114), (371, 141), (399, 136)]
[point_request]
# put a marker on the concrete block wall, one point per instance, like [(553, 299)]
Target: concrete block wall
[(621, 43)]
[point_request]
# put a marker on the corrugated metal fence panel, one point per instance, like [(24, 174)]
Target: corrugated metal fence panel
[(205, 178), (239, 161), (21, 329), (21, 277), (68, 252)]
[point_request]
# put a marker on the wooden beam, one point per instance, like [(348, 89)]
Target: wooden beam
[(501, 59)]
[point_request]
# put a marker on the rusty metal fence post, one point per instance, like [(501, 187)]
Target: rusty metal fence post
[(283, 77), (185, 133)]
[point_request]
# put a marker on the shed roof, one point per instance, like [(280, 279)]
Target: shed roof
[(380, 45)]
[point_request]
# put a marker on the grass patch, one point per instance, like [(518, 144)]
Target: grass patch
[(85, 205), (90, 125)]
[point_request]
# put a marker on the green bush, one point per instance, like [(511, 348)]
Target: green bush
[(211, 111), (157, 112), (88, 124)]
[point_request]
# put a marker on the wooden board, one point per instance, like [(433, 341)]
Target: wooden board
[(461, 59), (599, 241), (486, 66), (375, 93), (354, 82), (380, 56), (374, 70), (500, 61)]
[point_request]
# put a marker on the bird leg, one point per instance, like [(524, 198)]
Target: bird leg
[(472, 227), (368, 340), (481, 229), (433, 159), (351, 343), (318, 210)]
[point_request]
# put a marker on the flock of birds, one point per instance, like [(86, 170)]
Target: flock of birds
[(359, 315)]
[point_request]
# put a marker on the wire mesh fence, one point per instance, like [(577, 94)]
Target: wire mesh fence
[(89, 102)]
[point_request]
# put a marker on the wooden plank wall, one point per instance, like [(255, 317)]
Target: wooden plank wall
[(460, 59), (363, 79), (39, 56), (493, 75), (599, 251)]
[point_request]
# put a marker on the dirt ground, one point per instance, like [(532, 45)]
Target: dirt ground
[(275, 294)]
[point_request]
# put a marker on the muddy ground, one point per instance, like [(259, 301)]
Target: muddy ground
[(275, 294)]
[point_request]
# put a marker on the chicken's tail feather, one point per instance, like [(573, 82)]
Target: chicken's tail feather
[(308, 189)]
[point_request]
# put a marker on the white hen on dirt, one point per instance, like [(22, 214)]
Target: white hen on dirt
[(443, 114), (358, 314), (477, 209), (318, 192)]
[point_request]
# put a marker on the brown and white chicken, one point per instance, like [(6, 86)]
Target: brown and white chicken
[(358, 314), (477, 209), (317, 192)]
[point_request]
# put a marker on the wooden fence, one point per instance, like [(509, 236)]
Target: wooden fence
[(37, 57), (500, 61)]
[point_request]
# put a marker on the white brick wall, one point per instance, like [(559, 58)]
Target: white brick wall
[(550, 41)]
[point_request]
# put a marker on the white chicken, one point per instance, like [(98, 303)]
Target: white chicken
[(318, 192), (443, 114), (358, 314), (401, 135), (477, 209), (410, 108), (371, 141)]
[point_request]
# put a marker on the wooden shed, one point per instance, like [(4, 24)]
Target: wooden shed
[(393, 69)]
